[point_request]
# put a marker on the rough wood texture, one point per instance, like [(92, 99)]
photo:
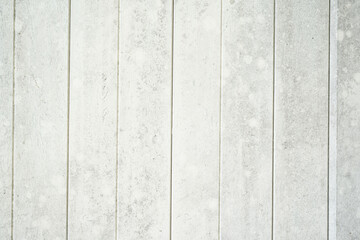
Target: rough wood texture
[(348, 153), (196, 120), (93, 109), (247, 90), (301, 119), (144, 120), (40, 119), (6, 112)]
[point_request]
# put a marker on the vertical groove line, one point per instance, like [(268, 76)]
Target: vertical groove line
[(68, 126), (328, 129), (117, 122), (273, 129), (172, 113), (220, 102), (13, 129)]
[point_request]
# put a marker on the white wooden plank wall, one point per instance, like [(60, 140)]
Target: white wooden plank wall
[(173, 119)]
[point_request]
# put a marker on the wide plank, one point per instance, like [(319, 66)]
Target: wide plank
[(301, 119), (93, 121), (348, 120), (144, 119), (246, 126), (196, 120), (40, 140)]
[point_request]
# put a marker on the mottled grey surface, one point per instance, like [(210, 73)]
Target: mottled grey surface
[(6, 103), (196, 120), (301, 119), (247, 89), (40, 119), (93, 103), (348, 94), (144, 120)]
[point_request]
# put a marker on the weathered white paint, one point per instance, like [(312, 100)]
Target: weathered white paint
[(196, 120), (6, 115), (301, 119), (40, 139), (93, 110), (247, 91), (144, 120), (348, 116), (146, 164)]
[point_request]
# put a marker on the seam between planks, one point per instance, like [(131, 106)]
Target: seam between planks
[(13, 130), (328, 128), (68, 126), (117, 122), (172, 114), (273, 128)]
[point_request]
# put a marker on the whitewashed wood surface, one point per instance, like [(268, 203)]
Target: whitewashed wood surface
[(178, 120)]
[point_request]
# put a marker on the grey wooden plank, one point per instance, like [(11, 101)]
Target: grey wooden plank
[(6, 113), (348, 116), (196, 123), (332, 119), (40, 140), (144, 119), (247, 92), (301, 119), (93, 110)]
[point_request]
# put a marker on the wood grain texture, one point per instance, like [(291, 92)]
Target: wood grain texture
[(348, 135), (301, 119), (196, 120), (247, 91), (144, 119), (93, 109), (6, 113), (41, 44)]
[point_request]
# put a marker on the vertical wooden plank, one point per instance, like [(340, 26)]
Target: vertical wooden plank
[(196, 123), (332, 118), (6, 113), (93, 109), (348, 151), (301, 119), (247, 91), (144, 119), (40, 141)]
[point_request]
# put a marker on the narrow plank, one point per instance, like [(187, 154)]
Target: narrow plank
[(332, 118), (93, 109), (348, 142), (247, 91), (40, 140), (144, 119), (6, 113), (301, 119), (196, 110)]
